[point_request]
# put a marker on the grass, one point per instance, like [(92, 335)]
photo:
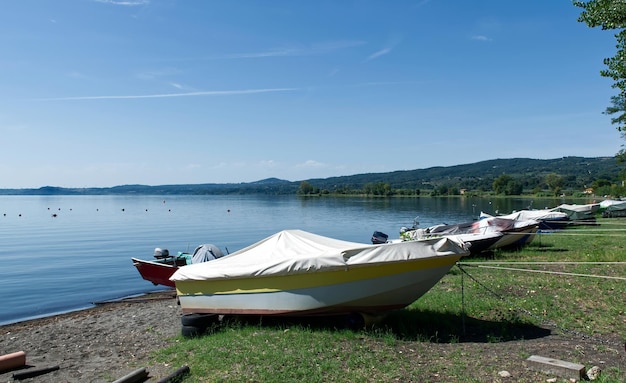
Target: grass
[(461, 330)]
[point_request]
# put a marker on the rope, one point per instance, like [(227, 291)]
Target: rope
[(543, 263), (540, 263), (530, 314), (549, 272)]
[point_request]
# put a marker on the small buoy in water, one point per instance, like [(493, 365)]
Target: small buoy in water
[(123, 209), (228, 211), (54, 215)]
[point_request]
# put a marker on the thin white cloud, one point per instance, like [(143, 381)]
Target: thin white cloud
[(385, 83), (378, 54), (127, 3), (311, 50), (311, 164), (480, 38), (165, 95)]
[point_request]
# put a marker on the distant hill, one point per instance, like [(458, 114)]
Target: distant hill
[(577, 173)]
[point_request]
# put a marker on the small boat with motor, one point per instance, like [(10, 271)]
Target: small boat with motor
[(159, 270)]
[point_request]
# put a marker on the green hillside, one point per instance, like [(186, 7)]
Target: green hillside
[(574, 175)]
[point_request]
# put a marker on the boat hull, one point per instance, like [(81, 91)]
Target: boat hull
[(516, 238), (361, 288), (478, 242), (158, 273)]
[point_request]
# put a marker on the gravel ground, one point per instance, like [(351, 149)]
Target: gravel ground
[(109, 341), (100, 344)]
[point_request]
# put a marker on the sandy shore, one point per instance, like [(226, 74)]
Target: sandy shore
[(100, 344)]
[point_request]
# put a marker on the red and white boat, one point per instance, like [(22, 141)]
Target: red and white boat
[(159, 270)]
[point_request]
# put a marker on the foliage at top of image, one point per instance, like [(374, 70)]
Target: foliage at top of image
[(611, 15)]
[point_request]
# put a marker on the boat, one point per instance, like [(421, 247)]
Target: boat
[(548, 219), (489, 233), (159, 270), (298, 273), (478, 242), (517, 232), (615, 210)]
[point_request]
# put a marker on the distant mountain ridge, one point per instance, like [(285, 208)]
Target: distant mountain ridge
[(576, 171)]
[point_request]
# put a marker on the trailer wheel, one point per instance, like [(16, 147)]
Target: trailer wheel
[(191, 331), (355, 321), (198, 319)]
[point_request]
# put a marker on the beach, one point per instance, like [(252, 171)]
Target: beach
[(100, 344)]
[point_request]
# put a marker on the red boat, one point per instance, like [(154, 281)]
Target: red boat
[(159, 270)]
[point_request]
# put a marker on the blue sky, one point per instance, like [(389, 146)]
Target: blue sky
[(100, 93)]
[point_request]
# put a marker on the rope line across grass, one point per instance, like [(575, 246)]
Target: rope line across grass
[(484, 265), (523, 310)]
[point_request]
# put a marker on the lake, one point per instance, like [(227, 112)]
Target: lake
[(62, 253)]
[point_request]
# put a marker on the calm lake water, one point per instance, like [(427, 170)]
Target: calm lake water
[(62, 253)]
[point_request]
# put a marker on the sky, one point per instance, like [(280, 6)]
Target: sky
[(99, 93)]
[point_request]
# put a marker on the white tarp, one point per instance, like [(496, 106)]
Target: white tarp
[(297, 251), (537, 215), (587, 208)]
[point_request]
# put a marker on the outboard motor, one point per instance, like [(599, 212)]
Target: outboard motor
[(161, 253), (379, 237)]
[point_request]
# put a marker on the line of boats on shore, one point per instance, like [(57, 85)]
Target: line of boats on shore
[(296, 273)]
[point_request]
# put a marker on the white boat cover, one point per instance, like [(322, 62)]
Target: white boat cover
[(297, 251), (527, 215), (590, 207), (606, 203)]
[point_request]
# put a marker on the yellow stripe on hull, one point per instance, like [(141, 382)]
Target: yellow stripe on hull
[(381, 293), (277, 283)]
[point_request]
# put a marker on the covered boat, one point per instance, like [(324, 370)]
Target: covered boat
[(548, 219), (294, 272), (489, 233), (478, 241), (615, 210)]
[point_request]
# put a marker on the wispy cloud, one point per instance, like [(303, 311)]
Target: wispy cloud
[(389, 46), (127, 3), (166, 95), (385, 83), (378, 54), (310, 50), (480, 38), (311, 164)]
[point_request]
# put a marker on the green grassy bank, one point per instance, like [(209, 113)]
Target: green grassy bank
[(465, 329)]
